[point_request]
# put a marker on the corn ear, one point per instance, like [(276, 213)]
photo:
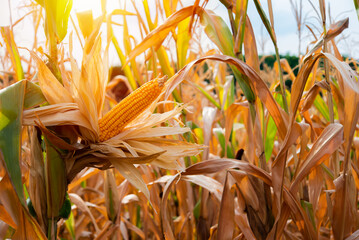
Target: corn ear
[(129, 108)]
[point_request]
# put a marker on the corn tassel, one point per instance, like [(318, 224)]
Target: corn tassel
[(129, 108)]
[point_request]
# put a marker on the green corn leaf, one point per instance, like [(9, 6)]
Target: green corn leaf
[(13, 99), (356, 4), (182, 42), (11, 103), (207, 95), (222, 142), (33, 95), (56, 183), (126, 68), (70, 225), (322, 107), (265, 22), (57, 16), (218, 31), (269, 138)]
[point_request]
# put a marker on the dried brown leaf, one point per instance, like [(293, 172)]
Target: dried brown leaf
[(226, 212), (81, 204), (326, 144), (156, 37), (258, 85), (250, 46), (26, 225), (312, 94), (208, 183), (167, 230)]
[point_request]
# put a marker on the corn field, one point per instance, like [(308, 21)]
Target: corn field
[(191, 136)]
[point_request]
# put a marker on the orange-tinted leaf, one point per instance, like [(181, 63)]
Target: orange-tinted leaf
[(326, 144), (250, 46), (312, 94), (26, 225), (258, 86), (157, 36)]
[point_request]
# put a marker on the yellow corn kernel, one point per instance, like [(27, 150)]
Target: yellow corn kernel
[(129, 108)]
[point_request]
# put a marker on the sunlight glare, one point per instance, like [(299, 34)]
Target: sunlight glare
[(85, 5)]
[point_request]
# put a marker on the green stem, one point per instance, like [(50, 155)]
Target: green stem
[(52, 229)]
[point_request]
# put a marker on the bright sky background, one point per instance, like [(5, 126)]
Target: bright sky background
[(284, 23)]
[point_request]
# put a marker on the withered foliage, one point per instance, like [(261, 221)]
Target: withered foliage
[(226, 151)]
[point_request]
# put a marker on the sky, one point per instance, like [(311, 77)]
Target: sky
[(284, 23)]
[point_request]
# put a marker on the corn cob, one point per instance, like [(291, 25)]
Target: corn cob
[(129, 108)]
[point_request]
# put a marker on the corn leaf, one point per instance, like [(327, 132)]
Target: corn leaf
[(250, 46), (33, 95), (356, 4), (156, 37), (182, 42), (56, 182), (11, 47), (325, 145), (112, 202), (27, 227), (57, 16), (86, 22), (218, 31), (11, 103), (259, 86), (226, 212), (269, 138)]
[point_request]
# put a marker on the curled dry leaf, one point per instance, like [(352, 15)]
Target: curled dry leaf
[(312, 94), (334, 30), (81, 204), (258, 85)]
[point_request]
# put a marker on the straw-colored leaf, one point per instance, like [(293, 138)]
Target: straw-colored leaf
[(11, 47), (312, 94), (37, 191), (132, 175), (167, 230), (208, 183), (56, 114), (81, 204), (50, 86)]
